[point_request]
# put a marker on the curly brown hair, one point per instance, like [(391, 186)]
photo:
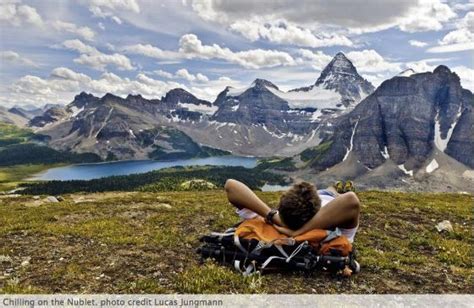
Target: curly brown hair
[(299, 204)]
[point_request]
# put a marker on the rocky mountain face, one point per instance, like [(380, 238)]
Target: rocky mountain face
[(260, 105), (410, 123), (9, 117), (341, 76), (117, 128), (51, 115), (21, 115)]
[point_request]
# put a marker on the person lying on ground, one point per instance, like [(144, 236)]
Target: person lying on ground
[(302, 208)]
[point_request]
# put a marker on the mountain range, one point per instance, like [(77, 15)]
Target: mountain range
[(414, 128), (411, 130)]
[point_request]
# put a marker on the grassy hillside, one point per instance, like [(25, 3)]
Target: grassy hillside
[(144, 242), (11, 134), (13, 176)]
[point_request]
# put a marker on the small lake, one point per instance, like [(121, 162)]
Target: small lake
[(100, 170), (272, 187)]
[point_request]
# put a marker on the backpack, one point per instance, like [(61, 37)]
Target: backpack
[(255, 246)]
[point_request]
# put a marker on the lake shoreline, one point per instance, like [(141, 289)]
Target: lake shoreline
[(98, 170)]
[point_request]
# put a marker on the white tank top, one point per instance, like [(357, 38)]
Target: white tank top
[(325, 199)]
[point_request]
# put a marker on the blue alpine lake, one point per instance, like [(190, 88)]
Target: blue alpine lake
[(100, 170)]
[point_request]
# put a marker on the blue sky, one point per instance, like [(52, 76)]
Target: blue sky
[(52, 50)]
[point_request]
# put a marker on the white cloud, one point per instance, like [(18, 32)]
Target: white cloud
[(307, 12), (283, 33), (182, 74), (84, 32), (92, 57), (33, 85), (459, 36), (101, 61), (355, 16), (371, 61), (451, 48), (63, 84), (150, 51), (116, 5), (420, 66), (117, 20), (79, 46), (110, 8), (15, 58), (192, 47), (68, 74), (98, 12), (212, 88), (164, 74), (201, 77), (467, 21), (318, 59), (464, 6), (467, 76), (460, 39), (417, 43), (17, 15)]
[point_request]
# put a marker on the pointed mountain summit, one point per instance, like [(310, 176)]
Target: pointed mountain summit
[(250, 105), (338, 67), (261, 83), (341, 76), (178, 96), (83, 99)]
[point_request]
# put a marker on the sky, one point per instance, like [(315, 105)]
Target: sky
[(50, 50)]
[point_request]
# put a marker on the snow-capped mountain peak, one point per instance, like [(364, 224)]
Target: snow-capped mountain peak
[(340, 64), (341, 76), (259, 83)]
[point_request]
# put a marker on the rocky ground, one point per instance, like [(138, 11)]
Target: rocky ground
[(145, 243)]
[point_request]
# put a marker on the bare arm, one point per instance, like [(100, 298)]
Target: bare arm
[(341, 212), (243, 197)]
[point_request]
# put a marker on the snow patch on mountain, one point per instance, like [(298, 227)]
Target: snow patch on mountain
[(75, 111), (316, 116), (316, 97), (442, 143), (236, 91), (432, 166), (408, 172), (265, 128), (234, 108), (210, 110), (385, 153), (352, 142)]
